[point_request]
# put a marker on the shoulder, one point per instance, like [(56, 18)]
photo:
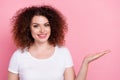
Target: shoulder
[(18, 52), (61, 47), (63, 50), (18, 55), (65, 56)]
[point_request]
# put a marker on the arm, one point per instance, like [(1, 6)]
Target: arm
[(83, 71), (69, 73), (84, 67), (12, 76)]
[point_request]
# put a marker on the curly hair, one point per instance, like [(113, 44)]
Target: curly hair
[(21, 25)]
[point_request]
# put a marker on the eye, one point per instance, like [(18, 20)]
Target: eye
[(36, 25), (47, 25)]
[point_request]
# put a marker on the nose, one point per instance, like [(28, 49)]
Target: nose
[(42, 29)]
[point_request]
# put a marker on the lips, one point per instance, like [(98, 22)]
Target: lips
[(42, 35)]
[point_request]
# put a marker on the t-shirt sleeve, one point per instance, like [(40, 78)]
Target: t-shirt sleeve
[(13, 64), (68, 60)]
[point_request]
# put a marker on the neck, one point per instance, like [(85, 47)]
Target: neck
[(41, 46)]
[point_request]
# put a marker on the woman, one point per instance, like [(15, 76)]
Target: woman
[(39, 32)]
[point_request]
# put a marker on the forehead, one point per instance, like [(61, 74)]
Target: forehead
[(39, 19)]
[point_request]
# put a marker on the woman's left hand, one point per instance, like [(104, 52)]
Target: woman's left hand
[(92, 57)]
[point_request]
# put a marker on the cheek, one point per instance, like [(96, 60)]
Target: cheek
[(33, 32), (50, 30)]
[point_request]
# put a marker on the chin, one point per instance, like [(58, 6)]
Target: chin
[(43, 40)]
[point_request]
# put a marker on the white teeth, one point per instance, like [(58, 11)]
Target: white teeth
[(42, 35)]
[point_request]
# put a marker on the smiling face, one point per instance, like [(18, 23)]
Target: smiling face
[(40, 29)]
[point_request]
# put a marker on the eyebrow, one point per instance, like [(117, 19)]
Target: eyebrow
[(38, 23)]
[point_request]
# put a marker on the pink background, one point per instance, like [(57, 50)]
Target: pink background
[(94, 25)]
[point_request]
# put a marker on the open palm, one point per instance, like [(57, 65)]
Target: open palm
[(92, 57)]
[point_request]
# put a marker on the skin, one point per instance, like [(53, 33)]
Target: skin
[(87, 60), (40, 30)]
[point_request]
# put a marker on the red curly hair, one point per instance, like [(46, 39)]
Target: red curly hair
[(21, 25)]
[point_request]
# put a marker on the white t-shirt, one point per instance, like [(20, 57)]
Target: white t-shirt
[(31, 68)]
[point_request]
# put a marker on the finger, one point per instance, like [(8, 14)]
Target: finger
[(107, 51), (102, 53), (99, 55)]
